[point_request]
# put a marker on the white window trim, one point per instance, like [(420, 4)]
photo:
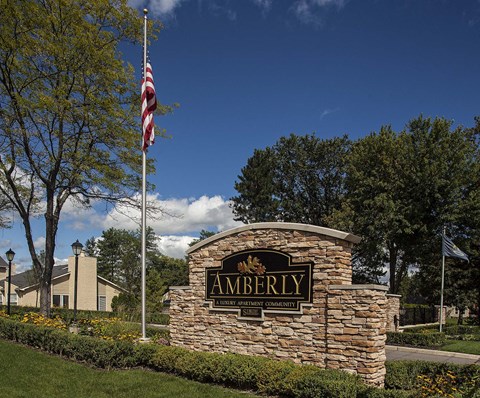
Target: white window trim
[(62, 300), (98, 303)]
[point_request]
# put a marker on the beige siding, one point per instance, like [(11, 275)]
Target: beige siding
[(61, 285), (89, 287), (108, 291), (29, 298), (3, 272), (102, 288), (87, 282)]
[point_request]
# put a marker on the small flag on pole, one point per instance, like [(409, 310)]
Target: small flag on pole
[(149, 104), (449, 249)]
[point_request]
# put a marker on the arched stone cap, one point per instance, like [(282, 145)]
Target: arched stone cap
[(278, 225)]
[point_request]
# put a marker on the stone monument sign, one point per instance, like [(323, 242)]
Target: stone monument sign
[(284, 291)]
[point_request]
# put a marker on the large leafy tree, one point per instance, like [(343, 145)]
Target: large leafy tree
[(403, 188), (299, 179), (377, 207), (448, 195), (67, 107)]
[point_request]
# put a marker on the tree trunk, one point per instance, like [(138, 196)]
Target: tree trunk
[(45, 290), (393, 268)]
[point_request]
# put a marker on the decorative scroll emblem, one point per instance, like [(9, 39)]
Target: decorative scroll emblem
[(256, 281)]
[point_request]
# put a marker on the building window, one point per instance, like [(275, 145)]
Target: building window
[(102, 303), (1, 299), (60, 300), (13, 299)]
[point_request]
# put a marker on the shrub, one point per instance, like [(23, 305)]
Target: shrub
[(310, 381), (239, 371), (271, 379), (432, 339), (411, 375), (265, 375)]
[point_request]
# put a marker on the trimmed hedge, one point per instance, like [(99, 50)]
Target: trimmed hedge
[(67, 314), (264, 375), (433, 339), (267, 376)]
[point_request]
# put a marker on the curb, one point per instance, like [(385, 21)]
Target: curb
[(433, 352)]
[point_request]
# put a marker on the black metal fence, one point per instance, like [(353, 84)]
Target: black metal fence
[(418, 315)]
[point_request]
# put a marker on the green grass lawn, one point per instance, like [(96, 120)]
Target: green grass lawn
[(466, 347), (27, 373)]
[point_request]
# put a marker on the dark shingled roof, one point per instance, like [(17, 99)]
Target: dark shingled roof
[(3, 263), (27, 278)]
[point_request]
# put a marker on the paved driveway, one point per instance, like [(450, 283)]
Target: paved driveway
[(395, 353)]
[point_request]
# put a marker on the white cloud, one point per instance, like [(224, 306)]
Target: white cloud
[(39, 243), (180, 216), (80, 218), (164, 8), (327, 112), (308, 11), (174, 246), (181, 220)]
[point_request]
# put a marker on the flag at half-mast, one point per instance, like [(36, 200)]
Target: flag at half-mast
[(149, 104), (450, 249)]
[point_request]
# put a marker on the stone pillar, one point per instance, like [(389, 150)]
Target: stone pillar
[(393, 312), (356, 330)]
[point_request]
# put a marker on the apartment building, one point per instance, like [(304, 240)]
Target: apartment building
[(93, 291)]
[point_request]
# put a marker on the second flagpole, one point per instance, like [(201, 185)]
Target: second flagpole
[(443, 279)]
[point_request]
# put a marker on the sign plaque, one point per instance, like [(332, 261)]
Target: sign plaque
[(254, 282)]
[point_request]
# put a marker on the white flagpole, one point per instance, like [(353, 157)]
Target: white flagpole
[(443, 281), (144, 187)]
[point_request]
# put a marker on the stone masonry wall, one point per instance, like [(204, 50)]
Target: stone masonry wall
[(342, 328), (393, 312), (356, 330)]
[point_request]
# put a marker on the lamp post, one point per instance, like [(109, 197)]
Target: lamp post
[(10, 255), (77, 249)]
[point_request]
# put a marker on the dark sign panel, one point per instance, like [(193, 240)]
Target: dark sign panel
[(254, 281)]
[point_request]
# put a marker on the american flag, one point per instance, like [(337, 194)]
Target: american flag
[(149, 104)]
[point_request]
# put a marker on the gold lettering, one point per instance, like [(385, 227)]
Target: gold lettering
[(258, 284), (216, 283), (271, 285), (247, 284), (231, 288), (297, 283), (284, 285)]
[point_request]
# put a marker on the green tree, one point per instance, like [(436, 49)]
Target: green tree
[(90, 248), (447, 193), (204, 234), (118, 256), (173, 271), (68, 107), (403, 188), (257, 201), (299, 179), (376, 206)]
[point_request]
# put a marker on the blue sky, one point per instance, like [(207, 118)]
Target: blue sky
[(248, 72)]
